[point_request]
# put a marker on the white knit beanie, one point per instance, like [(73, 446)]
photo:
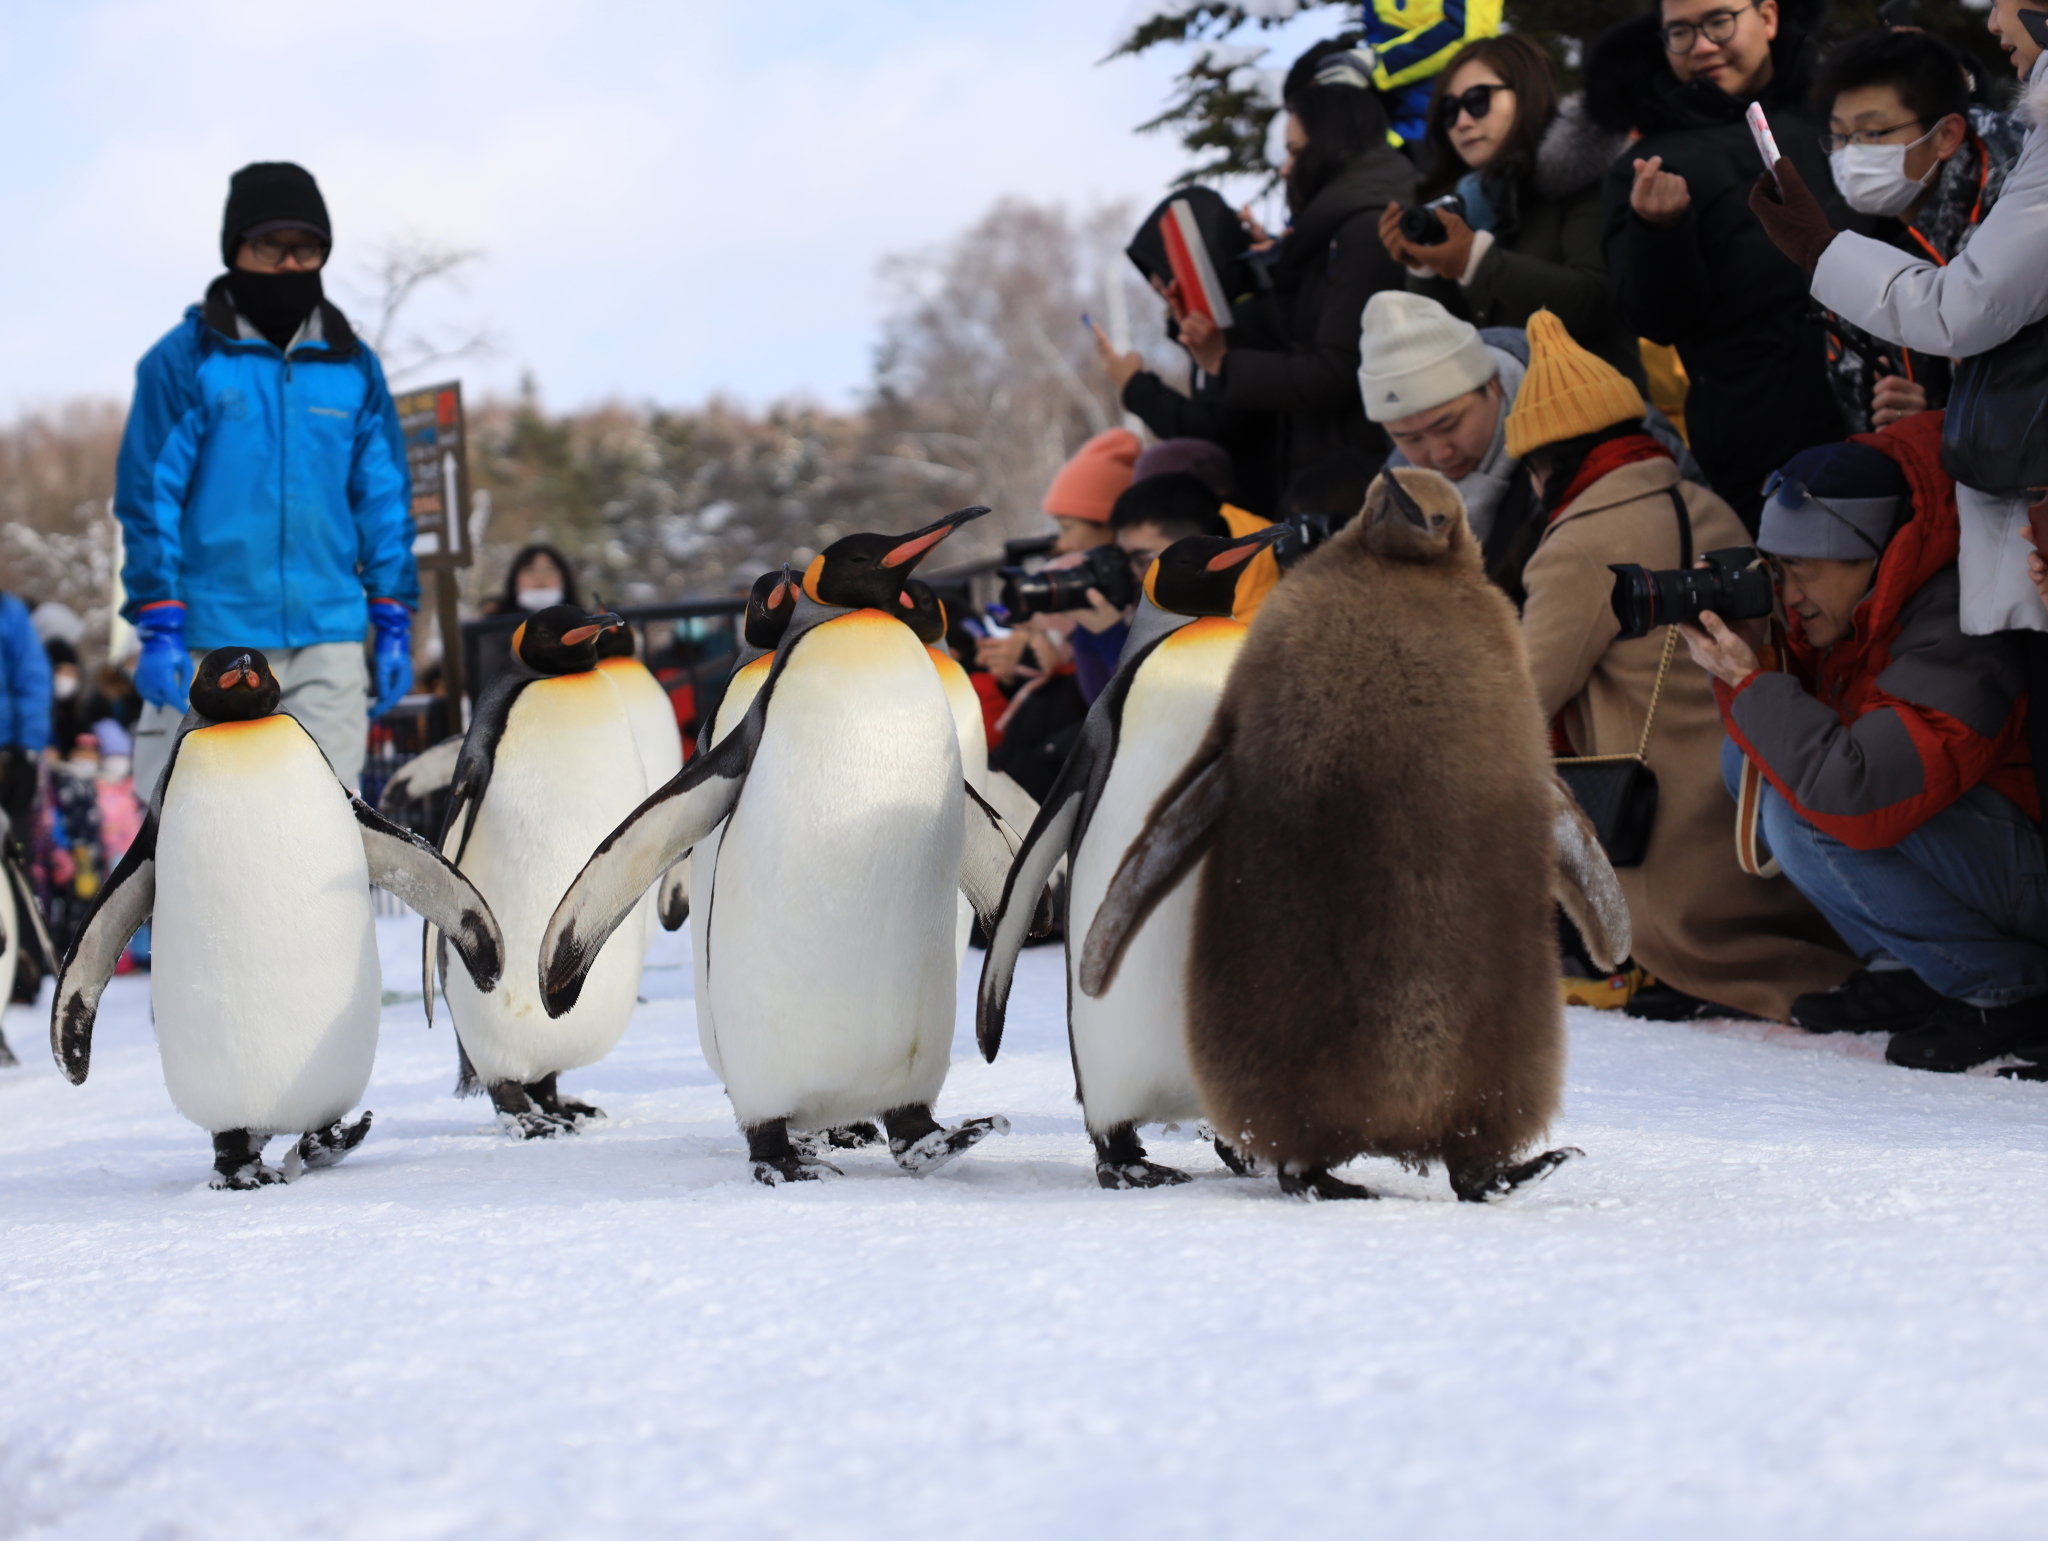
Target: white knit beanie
[(1414, 355)]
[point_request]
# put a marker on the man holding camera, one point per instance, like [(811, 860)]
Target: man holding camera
[(1897, 791)]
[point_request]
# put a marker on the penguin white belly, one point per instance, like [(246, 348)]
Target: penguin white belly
[(1130, 1047), (660, 742), (564, 775), (830, 931), (264, 975), (740, 691), (969, 728)]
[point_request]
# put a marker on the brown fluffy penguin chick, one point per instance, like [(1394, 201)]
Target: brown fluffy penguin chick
[(1378, 830)]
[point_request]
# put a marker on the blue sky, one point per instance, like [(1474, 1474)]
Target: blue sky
[(674, 199)]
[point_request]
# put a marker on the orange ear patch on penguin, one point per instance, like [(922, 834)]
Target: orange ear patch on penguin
[(811, 576)]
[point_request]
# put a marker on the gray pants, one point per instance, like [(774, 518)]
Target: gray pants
[(326, 687)]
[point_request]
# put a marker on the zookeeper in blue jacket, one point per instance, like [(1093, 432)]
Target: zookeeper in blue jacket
[(262, 488)]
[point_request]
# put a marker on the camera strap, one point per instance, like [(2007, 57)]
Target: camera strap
[(1642, 750)]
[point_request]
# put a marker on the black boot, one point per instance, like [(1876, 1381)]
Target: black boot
[(1120, 1162), (1891, 1000), (238, 1161), (550, 1100), (523, 1118), (1317, 1183), (324, 1147), (1960, 1036), (1477, 1184), (777, 1160), (921, 1145)]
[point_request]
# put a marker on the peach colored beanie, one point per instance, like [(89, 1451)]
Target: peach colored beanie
[(1089, 484)]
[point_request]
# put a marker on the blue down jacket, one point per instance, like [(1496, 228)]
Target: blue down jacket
[(267, 493)]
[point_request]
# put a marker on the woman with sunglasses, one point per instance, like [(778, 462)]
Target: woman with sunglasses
[(1527, 170)]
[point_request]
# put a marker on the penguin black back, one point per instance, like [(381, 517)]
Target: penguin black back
[(235, 684)]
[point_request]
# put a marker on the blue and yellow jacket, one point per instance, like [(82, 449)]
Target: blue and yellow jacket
[(267, 493), (1414, 40)]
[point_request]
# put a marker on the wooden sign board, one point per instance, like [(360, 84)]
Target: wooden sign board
[(437, 454)]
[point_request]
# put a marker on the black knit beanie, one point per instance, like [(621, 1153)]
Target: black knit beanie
[(272, 193)]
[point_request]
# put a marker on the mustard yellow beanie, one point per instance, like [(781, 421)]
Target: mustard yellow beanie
[(1567, 391)]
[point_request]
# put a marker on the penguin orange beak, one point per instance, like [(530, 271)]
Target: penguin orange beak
[(1244, 548), (918, 542), (240, 674), (577, 636)]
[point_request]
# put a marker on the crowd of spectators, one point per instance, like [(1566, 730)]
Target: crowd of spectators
[(1853, 344)]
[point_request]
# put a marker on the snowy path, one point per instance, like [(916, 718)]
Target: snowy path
[(1790, 1292)]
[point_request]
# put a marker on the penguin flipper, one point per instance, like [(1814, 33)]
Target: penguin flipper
[(1030, 870), (426, 773), (124, 902), (402, 863), (427, 970), (1175, 838), (674, 906), (653, 839), (989, 847), (1586, 884)]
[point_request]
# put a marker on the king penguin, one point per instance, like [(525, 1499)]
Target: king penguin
[(926, 617), (829, 920), (549, 765), (1377, 840), (256, 864), (1129, 1046), (660, 740)]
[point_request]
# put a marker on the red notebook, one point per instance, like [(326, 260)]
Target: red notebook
[(1193, 272)]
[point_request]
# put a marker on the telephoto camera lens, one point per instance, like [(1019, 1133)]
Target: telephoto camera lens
[(1049, 591), (1734, 584), (1420, 225)]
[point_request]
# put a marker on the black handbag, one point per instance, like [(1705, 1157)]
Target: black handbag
[(1995, 436), (1618, 792)]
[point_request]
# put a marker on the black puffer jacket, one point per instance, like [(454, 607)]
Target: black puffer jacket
[(1329, 265), (1714, 286)]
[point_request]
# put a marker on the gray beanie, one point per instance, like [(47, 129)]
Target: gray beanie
[(1414, 355), (1837, 501)]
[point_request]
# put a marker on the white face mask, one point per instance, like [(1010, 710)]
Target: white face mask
[(1872, 177), (64, 686), (114, 766), (539, 599)]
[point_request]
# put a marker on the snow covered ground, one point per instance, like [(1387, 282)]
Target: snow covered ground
[(1789, 1292)]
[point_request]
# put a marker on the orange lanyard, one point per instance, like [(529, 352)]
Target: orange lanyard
[(1976, 209)]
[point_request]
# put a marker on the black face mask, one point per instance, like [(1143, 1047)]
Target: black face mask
[(275, 303)]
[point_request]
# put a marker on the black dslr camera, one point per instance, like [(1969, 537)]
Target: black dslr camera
[(1734, 584), (1420, 225), (1025, 593), (1305, 532)]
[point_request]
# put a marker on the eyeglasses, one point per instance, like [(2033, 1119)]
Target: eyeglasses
[(1833, 142), (275, 250), (1718, 26), (1477, 102)]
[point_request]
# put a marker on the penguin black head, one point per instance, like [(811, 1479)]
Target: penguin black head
[(1413, 515), (562, 639), (770, 604), (924, 613), (234, 684), (868, 571), (1197, 575), (616, 642)]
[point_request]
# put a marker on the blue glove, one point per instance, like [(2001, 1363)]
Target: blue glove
[(391, 654), (165, 669)]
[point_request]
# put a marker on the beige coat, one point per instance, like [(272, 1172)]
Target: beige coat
[(1701, 924)]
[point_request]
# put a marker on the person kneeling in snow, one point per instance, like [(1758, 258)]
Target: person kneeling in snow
[(1898, 791)]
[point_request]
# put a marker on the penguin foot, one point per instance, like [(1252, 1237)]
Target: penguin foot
[(543, 1095), (941, 1147), (238, 1162), (1120, 1161), (521, 1117), (1137, 1174), (1239, 1163), (2009, 1073), (324, 1147), (815, 1144), (1317, 1183), (780, 1158), (1476, 1185)]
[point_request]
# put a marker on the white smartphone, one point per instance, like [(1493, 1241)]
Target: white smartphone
[(1766, 146)]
